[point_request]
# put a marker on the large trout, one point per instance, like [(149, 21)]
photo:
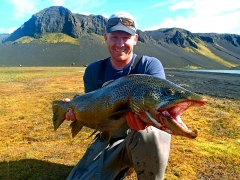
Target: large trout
[(156, 101)]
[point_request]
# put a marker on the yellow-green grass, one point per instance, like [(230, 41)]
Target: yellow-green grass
[(31, 149), (52, 38), (192, 67), (205, 51)]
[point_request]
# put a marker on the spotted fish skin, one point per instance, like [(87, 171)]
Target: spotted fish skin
[(104, 109)]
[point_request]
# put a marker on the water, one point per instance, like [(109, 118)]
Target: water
[(216, 71)]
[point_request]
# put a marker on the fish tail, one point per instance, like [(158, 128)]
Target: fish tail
[(59, 111)]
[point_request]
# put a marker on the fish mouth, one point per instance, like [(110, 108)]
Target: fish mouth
[(169, 119)]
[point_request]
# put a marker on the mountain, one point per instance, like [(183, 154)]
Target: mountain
[(3, 36), (49, 20), (57, 37)]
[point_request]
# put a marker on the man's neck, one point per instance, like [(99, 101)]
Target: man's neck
[(118, 65)]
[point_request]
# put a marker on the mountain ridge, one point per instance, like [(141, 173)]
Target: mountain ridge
[(174, 47)]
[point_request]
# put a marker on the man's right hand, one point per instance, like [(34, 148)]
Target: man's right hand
[(70, 116)]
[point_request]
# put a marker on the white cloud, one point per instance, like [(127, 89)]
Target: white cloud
[(218, 16), (163, 3), (2, 30), (23, 7), (58, 2), (182, 5), (85, 6), (11, 30), (29, 7)]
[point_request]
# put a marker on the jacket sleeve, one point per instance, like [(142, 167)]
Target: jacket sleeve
[(154, 67)]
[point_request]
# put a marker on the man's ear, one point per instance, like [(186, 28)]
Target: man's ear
[(105, 37), (135, 39)]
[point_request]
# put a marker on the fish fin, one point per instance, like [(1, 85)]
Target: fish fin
[(114, 121), (94, 132), (59, 111), (111, 122), (117, 115), (106, 136), (76, 127)]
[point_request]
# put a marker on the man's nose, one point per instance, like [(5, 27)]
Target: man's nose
[(120, 42)]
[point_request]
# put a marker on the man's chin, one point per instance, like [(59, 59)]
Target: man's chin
[(122, 57)]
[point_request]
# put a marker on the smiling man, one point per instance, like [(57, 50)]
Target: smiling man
[(134, 145)]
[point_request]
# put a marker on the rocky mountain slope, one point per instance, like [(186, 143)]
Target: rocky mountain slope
[(57, 37)]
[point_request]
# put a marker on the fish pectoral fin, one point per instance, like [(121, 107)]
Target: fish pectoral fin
[(76, 127), (115, 120), (119, 114)]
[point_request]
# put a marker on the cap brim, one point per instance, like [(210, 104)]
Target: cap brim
[(120, 27)]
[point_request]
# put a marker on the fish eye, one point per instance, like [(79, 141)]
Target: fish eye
[(168, 92)]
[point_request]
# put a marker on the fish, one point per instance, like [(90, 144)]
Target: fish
[(158, 102)]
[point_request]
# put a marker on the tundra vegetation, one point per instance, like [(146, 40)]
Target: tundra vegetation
[(31, 149)]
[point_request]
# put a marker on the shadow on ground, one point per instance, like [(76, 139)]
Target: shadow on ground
[(33, 169)]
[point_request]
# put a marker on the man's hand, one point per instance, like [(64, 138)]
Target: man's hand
[(134, 122), (70, 116)]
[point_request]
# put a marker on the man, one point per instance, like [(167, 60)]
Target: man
[(136, 145)]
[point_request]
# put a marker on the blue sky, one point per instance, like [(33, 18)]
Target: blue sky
[(206, 16)]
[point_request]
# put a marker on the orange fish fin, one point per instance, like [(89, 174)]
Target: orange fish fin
[(114, 121), (119, 114), (106, 136), (76, 127), (94, 132)]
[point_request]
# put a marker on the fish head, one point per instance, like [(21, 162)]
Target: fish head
[(175, 100), (161, 104)]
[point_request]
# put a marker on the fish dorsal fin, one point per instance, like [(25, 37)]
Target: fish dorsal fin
[(107, 83), (76, 127)]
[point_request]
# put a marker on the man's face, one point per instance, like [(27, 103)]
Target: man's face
[(120, 45)]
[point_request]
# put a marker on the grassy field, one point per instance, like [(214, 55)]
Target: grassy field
[(31, 149)]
